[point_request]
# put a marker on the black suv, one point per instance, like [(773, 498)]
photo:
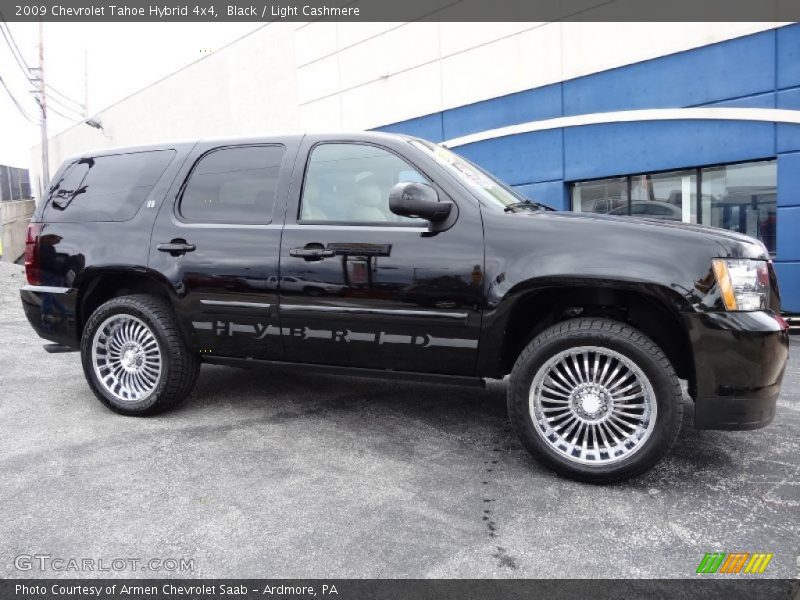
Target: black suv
[(377, 254)]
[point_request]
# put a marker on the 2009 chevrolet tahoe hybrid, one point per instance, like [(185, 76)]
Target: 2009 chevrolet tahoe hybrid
[(379, 254)]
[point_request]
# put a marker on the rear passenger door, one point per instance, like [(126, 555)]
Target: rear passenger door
[(217, 240)]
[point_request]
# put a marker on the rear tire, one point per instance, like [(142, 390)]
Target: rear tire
[(595, 400), (134, 357)]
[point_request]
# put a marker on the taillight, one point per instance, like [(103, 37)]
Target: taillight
[(32, 268)]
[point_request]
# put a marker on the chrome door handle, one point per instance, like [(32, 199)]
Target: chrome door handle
[(176, 247), (311, 253)]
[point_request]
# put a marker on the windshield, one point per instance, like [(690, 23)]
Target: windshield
[(491, 191)]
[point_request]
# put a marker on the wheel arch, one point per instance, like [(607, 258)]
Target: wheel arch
[(529, 309), (102, 285)]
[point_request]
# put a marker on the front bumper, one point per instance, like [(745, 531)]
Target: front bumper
[(739, 359), (51, 312)]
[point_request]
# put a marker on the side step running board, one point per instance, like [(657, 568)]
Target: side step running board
[(347, 371), (58, 348)]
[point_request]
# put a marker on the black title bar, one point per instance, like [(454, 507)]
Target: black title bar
[(400, 10)]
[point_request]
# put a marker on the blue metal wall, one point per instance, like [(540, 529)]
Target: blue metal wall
[(756, 71)]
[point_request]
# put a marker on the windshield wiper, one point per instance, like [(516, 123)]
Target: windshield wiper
[(529, 204)]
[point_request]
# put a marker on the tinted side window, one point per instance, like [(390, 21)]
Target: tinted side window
[(233, 185), (351, 182), (106, 188), (63, 190)]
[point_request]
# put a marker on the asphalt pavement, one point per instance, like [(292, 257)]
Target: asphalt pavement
[(271, 474)]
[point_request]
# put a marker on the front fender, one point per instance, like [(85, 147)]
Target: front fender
[(502, 316), (528, 255)]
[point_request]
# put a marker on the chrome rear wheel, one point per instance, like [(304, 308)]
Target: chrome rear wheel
[(126, 358), (592, 405)]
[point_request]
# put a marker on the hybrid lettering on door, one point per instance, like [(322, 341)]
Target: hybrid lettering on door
[(343, 336), (229, 328)]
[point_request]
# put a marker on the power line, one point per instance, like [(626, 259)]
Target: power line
[(28, 71), (12, 45), (63, 106), (64, 96), (50, 108), (14, 100), (68, 109), (64, 100), (20, 60), (17, 57)]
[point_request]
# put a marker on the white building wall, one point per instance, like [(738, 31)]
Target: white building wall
[(353, 76)]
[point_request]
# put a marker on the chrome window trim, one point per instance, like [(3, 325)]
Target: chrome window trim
[(375, 311), (320, 226), (235, 303)]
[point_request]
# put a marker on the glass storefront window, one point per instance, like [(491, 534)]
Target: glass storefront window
[(671, 196), (740, 197), (604, 196)]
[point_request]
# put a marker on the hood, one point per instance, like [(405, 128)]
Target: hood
[(733, 243)]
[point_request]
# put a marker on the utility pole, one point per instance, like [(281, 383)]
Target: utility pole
[(43, 105), (85, 83)]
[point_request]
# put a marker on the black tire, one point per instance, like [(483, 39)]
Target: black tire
[(622, 339), (179, 366)]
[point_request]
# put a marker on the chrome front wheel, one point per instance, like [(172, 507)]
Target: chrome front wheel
[(592, 405), (126, 357), (595, 400)]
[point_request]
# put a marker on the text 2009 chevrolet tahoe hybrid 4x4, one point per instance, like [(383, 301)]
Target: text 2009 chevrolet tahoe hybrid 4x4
[(378, 254)]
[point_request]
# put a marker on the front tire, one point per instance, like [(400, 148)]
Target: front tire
[(595, 400), (134, 357)]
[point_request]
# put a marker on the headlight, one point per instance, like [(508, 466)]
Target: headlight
[(743, 284)]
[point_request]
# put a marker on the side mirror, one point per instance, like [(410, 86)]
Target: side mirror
[(418, 200)]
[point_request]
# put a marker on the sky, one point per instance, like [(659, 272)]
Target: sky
[(121, 59)]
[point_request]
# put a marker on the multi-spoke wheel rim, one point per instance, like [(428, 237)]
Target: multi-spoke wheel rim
[(126, 358), (592, 405)]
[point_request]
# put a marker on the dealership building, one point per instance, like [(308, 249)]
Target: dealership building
[(691, 122)]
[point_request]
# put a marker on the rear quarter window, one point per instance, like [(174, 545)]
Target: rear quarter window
[(234, 185), (105, 188)]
